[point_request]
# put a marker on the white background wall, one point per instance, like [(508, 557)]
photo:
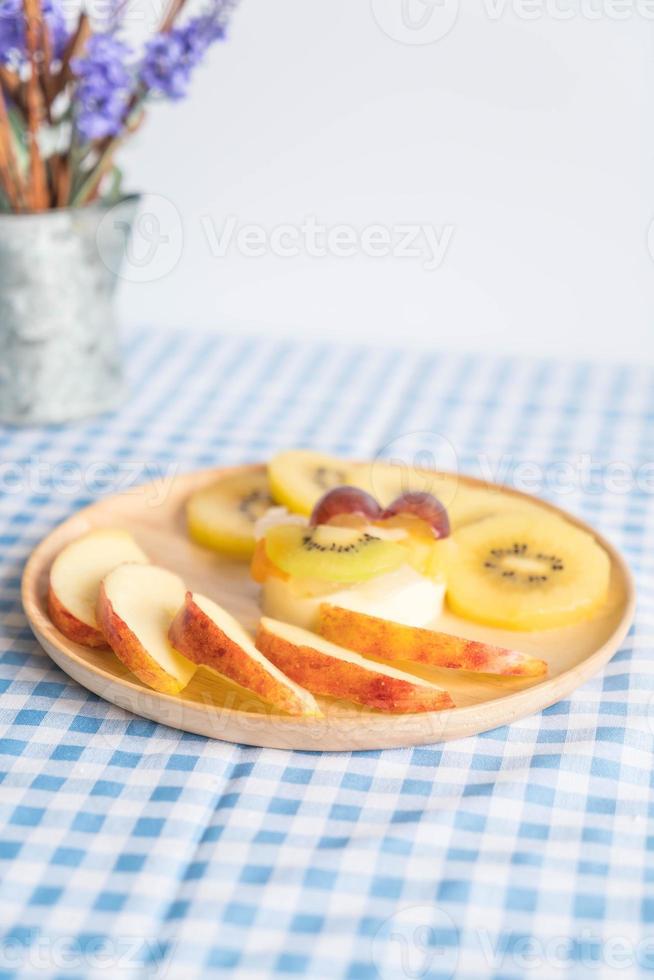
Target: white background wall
[(532, 139)]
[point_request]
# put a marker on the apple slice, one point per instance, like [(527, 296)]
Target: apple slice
[(136, 605), (208, 635), (376, 637), (75, 579), (331, 671)]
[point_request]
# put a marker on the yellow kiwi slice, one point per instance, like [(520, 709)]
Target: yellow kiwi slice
[(527, 572), (332, 554), (464, 504), (388, 481), (299, 477), (222, 516), (472, 504)]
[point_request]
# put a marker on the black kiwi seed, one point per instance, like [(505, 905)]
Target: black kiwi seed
[(255, 504), (310, 544), (327, 477), (521, 549)]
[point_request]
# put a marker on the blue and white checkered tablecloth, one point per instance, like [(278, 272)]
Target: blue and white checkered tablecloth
[(132, 850)]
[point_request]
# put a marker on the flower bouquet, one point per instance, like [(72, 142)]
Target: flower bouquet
[(72, 90), (71, 93)]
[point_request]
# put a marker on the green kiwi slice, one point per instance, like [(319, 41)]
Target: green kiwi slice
[(332, 554)]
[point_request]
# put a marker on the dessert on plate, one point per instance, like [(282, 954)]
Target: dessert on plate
[(353, 554), (356, 569)]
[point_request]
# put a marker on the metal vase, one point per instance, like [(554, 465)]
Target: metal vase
[(60, 356)]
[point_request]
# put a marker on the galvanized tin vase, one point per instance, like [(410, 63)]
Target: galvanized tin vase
[(59, 350)]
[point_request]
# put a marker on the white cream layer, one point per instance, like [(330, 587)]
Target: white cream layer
[(403, 596)]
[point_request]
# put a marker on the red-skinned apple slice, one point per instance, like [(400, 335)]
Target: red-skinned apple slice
[(376, 637), (331, 671), (209, 636), (75, 579), (136, 605)]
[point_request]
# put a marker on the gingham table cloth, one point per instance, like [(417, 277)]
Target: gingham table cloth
[(133, 850)]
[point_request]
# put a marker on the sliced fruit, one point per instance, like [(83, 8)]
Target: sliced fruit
[(299, 477), (276, 516), (526, 573), (388, 640), (440, 559), (472, 504), (288, 600), (345, 501), (331, 671), (75, 579), (332, 554), (209, 636), (425, 507), (136, 605), (428, 555), (404, 595), (261, 567), (387, 481), (465, 504), (222, 516)]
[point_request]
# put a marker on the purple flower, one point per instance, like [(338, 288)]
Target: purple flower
[(12, 30), (165, 69), (170, 58), (104, 89), (55, 21)]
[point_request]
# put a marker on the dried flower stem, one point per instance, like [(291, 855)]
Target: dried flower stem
[(61, 179), (6, 182), (38, 188), (171, 16), (47, 84), (10, 176), (74, 49), (90, 187), (91, 184), (10, 82), (65, 183)]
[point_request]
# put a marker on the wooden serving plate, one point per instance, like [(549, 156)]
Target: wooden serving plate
[(215, 708)]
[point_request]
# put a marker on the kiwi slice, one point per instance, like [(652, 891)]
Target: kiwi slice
[(299, 477), (388, 481), (465, 504), (332, 554), (527, 572), (472, 504), (222, 516)]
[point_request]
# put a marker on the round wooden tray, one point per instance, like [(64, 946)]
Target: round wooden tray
[(215, 708)]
